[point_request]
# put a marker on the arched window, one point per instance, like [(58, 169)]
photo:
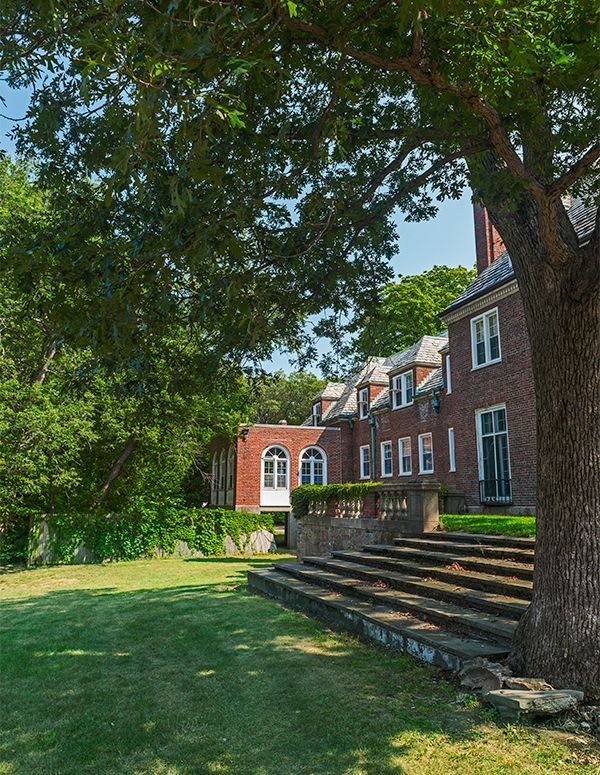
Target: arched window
[(214, 479), (275, 469), (313, 466), (221, 493), (230, 468)]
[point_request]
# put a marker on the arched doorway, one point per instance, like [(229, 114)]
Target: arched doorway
[(275, 477)]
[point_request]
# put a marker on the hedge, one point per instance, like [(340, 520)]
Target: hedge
[(306, 494), (131, 536)]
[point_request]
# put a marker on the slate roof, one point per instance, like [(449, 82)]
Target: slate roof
[(433, 381), (426, 351), (377, 371), (347, 404), (331, 391), (500, 271)]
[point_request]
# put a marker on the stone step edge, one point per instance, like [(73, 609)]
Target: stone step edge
[(511, 542), (520, 588), (484, 551), (501, 567), (489, 626), (512, 608), (428, 643)]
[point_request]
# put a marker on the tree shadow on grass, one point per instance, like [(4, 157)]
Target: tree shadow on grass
[(208, 679)]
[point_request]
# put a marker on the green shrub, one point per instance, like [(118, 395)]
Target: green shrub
[(14, 535), (213, 525), (130, 536), (306, 494)]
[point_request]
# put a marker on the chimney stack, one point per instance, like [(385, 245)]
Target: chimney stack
[(488, 243)]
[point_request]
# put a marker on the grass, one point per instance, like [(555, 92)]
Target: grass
[(170, 667), (490, 524)]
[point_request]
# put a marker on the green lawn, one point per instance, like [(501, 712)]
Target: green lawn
[(491, 524), (171, 667)]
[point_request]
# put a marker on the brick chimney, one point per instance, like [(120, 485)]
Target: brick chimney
[(488, 243)]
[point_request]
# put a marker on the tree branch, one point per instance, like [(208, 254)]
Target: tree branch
[(573, 174)]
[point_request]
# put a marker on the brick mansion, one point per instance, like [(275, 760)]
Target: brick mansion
[(458, 408)]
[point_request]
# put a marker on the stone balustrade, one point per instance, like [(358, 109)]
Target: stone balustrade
[(392, 510)]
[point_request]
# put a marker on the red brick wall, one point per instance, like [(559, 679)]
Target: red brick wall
[(509, 382), (488, 243), (294, 439)]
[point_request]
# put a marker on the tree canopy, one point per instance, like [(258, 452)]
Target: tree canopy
[(247, 158), (285, 397), (409, 309)]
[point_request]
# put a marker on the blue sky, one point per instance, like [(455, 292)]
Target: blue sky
[(448, 239)]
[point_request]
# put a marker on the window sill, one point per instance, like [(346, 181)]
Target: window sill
[(425, 473), (385, 476), (405, 473), (484, 365), (402, 406)]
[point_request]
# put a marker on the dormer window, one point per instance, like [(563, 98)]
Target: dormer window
[(363, 403), (402, 390), (316, 413)]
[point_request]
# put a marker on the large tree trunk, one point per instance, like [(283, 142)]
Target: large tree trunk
[(559, 636)]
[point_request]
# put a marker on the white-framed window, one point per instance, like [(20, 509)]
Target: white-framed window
[(404, 456), (402, 390), (316, 413), (365, 462), (387, 464), (425, 453), (363, 403), (214, 478), (222, 475), (313, 466), (493, 455), (485, 339), (448, 375), (451, 451), (275, 469), (230, 468)]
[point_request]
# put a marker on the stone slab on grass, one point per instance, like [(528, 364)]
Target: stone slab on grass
[(512, 703)]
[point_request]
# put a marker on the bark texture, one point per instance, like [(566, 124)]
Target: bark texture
[(558, 639), (116, 469)]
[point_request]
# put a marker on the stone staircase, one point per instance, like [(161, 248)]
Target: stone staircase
[(442, 597)]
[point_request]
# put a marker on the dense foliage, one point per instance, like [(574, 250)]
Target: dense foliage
[(280, 397), (250, 156), (149, 530), (305, 494), (409, 309)]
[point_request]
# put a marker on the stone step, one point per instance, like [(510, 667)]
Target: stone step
[(374, 623), (476, 563), (475, 549), (491, 603), (515, 542), (444, 614), (487, 582)]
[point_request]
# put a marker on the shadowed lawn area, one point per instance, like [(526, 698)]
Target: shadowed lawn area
[(491, 524), (171, 667)]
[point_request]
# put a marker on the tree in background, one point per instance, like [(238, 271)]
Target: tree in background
[(409, 309), (203, 121), (79, 432), (281, 397)]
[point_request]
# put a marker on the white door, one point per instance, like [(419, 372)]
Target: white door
[(275, 477)]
